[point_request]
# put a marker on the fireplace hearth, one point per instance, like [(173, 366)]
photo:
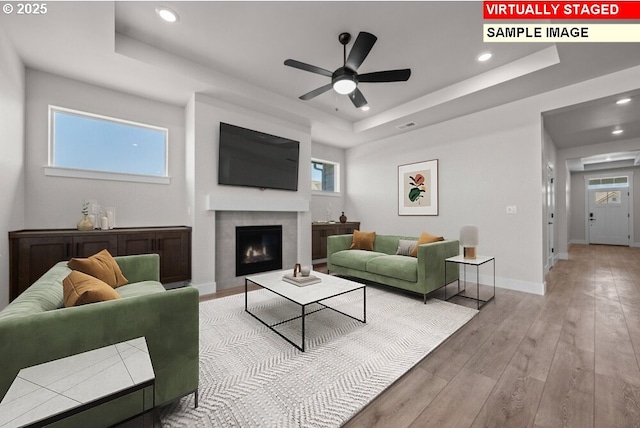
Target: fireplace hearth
[(258, 249)]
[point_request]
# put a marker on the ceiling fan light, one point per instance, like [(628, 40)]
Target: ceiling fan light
[(623, 101), (344, 85), (617, 132)]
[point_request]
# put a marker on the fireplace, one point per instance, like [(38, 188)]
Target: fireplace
[(258, 249)]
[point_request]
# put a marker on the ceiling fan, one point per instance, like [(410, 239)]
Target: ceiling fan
[(346, 78)]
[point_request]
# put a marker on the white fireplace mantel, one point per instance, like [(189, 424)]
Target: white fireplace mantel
[(256, 203)]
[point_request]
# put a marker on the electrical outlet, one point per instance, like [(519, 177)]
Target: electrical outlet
[(512, 209)]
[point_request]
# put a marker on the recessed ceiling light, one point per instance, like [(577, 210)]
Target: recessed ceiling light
[(167, 14), (617, 132), (485, 56), (623, 101), (364, 108)]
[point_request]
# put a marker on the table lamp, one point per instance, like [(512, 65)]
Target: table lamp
[(469, 241)]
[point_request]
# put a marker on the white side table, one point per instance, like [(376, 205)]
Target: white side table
[(49, 392), (477, 262)]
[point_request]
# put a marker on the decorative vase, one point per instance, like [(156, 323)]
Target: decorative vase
[(343, 218), (85, 223)]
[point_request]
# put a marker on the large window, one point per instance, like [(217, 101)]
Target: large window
[(112, 148), (325, 176)]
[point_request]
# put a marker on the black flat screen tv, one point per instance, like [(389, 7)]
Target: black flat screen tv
[(254, 159)]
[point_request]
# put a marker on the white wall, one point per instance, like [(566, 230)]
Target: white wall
[(12, 105), (55, 202), (320, 201), (205, 114), (578, 211), (486, 161)]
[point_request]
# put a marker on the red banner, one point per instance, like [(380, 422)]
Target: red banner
[(582, 10)]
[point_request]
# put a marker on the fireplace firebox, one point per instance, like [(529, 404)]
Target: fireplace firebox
[(258, 249)]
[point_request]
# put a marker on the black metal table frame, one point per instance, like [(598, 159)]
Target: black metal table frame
[(477, 265), (304, 313)]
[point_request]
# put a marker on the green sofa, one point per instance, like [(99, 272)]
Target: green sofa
[(422, 274), (36, 328)]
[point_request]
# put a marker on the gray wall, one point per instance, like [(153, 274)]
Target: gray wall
[(12, 184), (55, 202)]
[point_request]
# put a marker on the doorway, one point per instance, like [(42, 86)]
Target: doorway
[(609, 209)]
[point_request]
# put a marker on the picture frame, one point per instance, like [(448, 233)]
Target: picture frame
[(418, 188)]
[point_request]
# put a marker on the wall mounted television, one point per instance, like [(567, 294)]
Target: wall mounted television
[(254, 159)]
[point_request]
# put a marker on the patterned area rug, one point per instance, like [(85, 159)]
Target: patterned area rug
[(251, 377)]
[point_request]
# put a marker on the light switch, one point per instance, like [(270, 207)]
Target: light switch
[(512, 209)]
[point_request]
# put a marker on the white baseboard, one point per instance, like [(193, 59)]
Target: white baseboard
[(579, 242), (636, 244), (524, 286), (510, 284), (563, 256), (206, 288)]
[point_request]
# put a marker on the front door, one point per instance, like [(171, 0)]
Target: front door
[(608, 215)]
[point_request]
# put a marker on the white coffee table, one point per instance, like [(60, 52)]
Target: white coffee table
[(46, 393), (330, 286)]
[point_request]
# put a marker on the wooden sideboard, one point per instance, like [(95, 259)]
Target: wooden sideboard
[(320, 231), (33, 252)]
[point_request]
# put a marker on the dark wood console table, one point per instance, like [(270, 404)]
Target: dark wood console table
[(33, 252), (320, 231)]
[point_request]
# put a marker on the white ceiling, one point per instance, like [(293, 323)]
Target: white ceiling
[(235, 51), (593, 122)]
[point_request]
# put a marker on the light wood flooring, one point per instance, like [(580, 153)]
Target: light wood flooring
[(566, 359)]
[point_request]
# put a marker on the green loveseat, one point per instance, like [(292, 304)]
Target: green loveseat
[(422, 274), (36, 328)]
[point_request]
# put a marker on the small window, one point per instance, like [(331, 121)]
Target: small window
[(86, 142), (610, 198), (608, 182), (325, 176)]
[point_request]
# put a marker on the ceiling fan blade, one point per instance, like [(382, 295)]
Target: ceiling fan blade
[(307, 67), (386, 76), (357, 98), (316, 92), (360, 50)]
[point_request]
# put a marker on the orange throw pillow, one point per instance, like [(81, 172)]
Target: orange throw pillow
[(79, 289), (363, 240), (425, 238), (102, 266)]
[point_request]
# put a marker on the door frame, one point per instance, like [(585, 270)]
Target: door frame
[(550, 201), (587, 177)]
